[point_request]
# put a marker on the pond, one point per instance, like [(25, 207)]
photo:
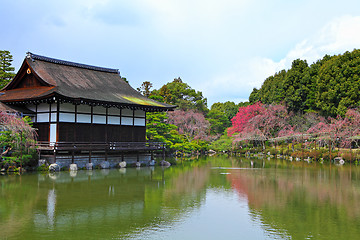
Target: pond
[(209, 198)]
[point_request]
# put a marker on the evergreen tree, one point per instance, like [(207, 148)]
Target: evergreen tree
[(6, 71), (181, 94), (329, 86)]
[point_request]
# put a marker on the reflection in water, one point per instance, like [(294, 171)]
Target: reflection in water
[(302, 203), (111, 190), (105, 172), (51, 203), (73, 173), (215, 198)]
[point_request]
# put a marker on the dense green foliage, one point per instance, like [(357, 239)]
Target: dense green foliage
[(224, 143), (181, 94), (158, 130), (194, 125), (220, 116), (6, 71), (330, 86)]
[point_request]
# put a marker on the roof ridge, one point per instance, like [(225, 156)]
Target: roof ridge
[(68, 63)]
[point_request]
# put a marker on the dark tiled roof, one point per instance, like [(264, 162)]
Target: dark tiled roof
[(81, 82), (79, 65), (27, 93)]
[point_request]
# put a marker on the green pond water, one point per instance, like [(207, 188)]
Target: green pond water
[(209, 198)]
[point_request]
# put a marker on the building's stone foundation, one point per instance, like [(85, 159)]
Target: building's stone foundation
[(98, 161)]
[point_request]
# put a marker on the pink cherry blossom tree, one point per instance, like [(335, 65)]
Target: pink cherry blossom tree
[(191, 124), (241, 119), (17, 128), (261, 123)]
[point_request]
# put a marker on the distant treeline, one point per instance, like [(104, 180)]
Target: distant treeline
[(329, 86)]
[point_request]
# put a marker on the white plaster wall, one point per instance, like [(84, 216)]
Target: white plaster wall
[(84, 118), (67, 117), (99, 119), (43, 107), (126, 121), (53, 107), (113, 120), (53, 132), (114, 111), (127, 112), (53, 117), (139, 121), (139, 113), (42, 117), (68, 107), (99, 110), (83, 109), (31, 107)]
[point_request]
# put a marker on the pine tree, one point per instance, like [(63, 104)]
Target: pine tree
[(6, 71)]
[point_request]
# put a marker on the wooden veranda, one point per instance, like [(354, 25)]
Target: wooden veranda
[(69, 150)]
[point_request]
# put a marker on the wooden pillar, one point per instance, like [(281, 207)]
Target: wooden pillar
[(49, 121), (133, 126), (57, 119), (89, 156), (54, 155), (72, 156), (106, 126), (91, 123), (36, 107), (75, 128)]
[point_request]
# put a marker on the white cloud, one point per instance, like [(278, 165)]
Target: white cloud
[(222, 48), (340, 35)]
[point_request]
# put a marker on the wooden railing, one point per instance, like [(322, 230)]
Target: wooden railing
[(111, 146)]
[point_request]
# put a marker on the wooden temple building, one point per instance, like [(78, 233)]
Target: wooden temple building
[(80, 109)]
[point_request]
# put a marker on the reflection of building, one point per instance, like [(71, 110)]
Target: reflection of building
[(105, 202), (76, 103)]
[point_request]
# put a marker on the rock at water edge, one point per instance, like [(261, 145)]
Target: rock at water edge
[(165, 163), (122, 164), (89, 166), (73, 167), (54, 167)]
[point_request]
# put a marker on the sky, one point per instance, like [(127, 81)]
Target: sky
[(223, 48)]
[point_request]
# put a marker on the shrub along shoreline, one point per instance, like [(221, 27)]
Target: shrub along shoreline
[(301, 153)]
